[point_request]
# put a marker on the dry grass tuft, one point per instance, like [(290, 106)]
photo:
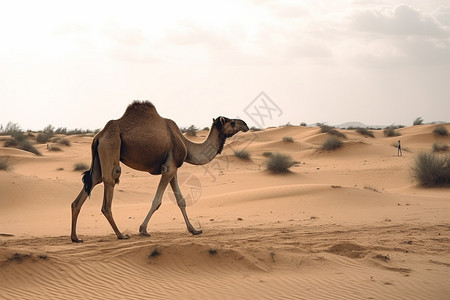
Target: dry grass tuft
[(431, 170), (440, 147), (242, 154), (440, 131), (280, 163), (332, 143), (5, 165), (81, 167)]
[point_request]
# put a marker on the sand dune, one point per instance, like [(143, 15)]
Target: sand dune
[(344, 224)]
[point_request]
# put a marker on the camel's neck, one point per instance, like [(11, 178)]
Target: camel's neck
[(200, 154)]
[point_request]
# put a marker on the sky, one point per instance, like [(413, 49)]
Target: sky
[(78, 64)]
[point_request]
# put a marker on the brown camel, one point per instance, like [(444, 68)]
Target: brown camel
[(145, 141)]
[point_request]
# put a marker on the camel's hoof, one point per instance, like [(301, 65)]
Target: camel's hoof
[(124, 237), (196, 232), (76, 240), (145, 233)]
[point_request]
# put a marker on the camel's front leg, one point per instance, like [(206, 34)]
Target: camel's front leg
[(165, 178), (182, 205)]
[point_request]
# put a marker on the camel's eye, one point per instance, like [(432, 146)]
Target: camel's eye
[(233, 124)]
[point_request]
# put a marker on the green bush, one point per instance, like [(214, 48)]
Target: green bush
[(431, 169), (279, 163), (332, 143), (440, 131)]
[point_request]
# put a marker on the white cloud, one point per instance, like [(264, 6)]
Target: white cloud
[(402, 20), (397, 36)]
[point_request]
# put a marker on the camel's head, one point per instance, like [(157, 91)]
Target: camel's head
[(229, 127)]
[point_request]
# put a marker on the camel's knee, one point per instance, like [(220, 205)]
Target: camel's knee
[(116, 173), (165, 169), (111, 177)]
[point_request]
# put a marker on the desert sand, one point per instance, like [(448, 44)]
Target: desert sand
[(344, 224)]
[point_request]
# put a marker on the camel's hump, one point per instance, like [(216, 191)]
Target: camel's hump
[(140, 107)]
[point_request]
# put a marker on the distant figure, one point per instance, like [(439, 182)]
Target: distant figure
[(399, 147)]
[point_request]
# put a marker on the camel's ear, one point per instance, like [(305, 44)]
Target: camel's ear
[(222, 120)]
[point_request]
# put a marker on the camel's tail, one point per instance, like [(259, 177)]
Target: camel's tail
[(87, 176)]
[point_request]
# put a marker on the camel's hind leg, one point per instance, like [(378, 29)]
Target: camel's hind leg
[(182, 205), (107, 212), (78, 203), (109, 154)]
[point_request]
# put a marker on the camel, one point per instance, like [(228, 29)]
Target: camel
[(145, 141)]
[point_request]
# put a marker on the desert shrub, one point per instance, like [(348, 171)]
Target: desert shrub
[(65, 142), (365, 132), (46, 134), (61, 141), (418, 121), (440, 147), (279, 163), (42, 138), (332, 143), (267, 154), (190, 131), (4, 163), (390, 131), (325, 128), (303, 124), (81, 131), (288, 139), (332, 131), (54, 148), (19, 136), (440, 131), (242, 154), (19, 141), (253, 128), (61, 130), (80, 167), (431, 169), (27, 146), (9, 129), (10, 143)]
